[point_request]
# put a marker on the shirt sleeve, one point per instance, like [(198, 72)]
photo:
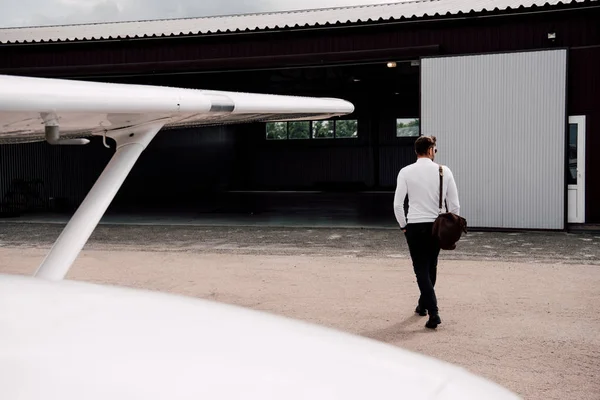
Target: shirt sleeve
[(401, 191), (452, 194)]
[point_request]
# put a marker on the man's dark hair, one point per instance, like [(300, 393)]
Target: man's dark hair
[(423, 143)]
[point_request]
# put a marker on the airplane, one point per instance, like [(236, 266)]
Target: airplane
[(63, 339)]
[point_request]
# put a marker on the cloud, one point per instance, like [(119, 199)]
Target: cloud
[(60, 12), (72, 12)]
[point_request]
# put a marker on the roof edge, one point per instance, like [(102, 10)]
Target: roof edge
[(217, 16), (543, 6)]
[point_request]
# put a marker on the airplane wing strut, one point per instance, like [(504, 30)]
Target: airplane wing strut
[(130, 145)]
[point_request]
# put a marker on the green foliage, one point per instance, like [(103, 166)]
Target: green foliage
[(322, 129), (407, 127), (318, 129), (346, 129), (277, 130), (299, 129)]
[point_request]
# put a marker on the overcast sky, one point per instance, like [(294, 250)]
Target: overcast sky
[(59, 12)]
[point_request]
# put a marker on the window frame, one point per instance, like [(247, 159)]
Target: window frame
[(310, 130), (397, 119)]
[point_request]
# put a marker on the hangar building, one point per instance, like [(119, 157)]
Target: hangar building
[(511, 89)]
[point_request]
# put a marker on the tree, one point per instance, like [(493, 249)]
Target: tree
[(346, 129), (299, 130), (407, 127), (277, 130), (323, 129)]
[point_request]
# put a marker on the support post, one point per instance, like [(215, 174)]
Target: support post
[(130, 145)]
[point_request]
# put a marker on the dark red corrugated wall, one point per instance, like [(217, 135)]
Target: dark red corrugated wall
[(288, 48)]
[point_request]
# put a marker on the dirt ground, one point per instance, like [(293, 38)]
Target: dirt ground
[(520, 309)]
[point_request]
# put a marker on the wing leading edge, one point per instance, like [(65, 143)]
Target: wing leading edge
[(28, 105)]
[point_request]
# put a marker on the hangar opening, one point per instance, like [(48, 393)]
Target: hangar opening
[(339, 170)]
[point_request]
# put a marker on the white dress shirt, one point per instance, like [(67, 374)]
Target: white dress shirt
[(421, 181)]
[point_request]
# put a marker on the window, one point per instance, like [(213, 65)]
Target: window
[(325, 129), (346, 129), (572, 179), (407, 127), (277, 130), (299, 130)]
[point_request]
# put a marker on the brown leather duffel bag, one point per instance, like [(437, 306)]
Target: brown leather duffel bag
[(448, 227)]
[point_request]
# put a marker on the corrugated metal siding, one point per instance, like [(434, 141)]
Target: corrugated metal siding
[(391, 160), (263, 21), (14, 169), (293, 166), (174, 170), (180, 166), (289, 167), (183, 167), (50, 172), (500, 123)]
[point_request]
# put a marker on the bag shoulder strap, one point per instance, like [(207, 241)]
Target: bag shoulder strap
[(441, 185)]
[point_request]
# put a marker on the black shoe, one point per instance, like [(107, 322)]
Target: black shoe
[(434, 321), (421, 311)]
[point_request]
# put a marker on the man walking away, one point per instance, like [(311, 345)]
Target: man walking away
[(421, 182)]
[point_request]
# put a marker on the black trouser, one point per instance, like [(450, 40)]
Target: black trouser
[(424, 251)]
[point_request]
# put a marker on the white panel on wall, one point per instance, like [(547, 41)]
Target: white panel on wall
[(500, 123)]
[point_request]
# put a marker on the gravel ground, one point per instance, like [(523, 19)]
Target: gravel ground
[(520, 309), (529, 247)]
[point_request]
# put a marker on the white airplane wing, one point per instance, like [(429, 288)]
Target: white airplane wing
[(65, 112), (28, 105)]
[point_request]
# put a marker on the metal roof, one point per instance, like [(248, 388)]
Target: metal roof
[(267, 21)]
